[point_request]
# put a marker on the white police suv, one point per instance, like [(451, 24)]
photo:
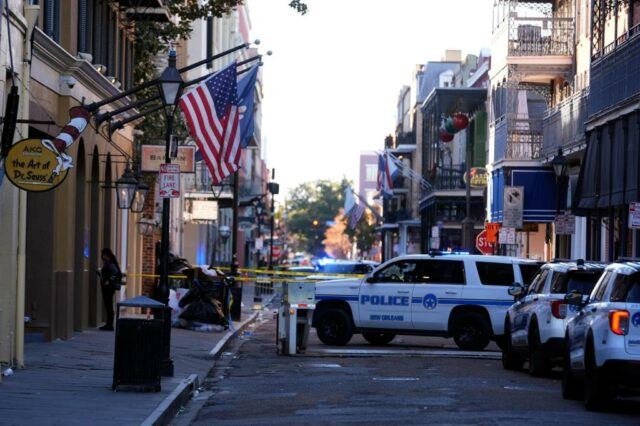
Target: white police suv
[(535, 324), (602, 356), (463, 296)]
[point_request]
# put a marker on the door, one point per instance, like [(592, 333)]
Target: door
[(437, 290), (522, 310), (385, 297)]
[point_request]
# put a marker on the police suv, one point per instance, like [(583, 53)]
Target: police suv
[(602, 356), (535, 324), (459, 296)]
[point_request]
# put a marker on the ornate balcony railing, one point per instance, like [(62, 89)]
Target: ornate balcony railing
[(448, 179), (564, 124), (518, 138), (541, 36)]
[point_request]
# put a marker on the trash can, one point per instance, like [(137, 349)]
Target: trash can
[(138, 348)]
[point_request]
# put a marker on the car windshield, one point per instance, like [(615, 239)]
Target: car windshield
[(582, 282)]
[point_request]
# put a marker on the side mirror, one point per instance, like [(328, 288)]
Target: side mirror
[(516, 290), (575, 298)]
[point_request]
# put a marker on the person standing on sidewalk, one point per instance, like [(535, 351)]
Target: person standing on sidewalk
[(110, 280)]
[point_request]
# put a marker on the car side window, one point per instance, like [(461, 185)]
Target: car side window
[(601, 288), (626, 288), (403, 271), (441, 272), (495, 273), (537, 285)]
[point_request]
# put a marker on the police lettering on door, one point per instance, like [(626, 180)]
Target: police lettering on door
[(384, 300)]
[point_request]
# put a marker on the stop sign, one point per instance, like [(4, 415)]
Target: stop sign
[(482, 244), (277, 251)]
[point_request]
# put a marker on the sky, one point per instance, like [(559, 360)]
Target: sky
[(332, 84)]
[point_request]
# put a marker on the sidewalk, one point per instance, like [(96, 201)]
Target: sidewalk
[(69, 382)]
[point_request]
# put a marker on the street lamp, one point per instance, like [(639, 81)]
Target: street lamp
[(139, 196), (560, 166), (146, 226), (224, 232), (169, 86), (126, 188)]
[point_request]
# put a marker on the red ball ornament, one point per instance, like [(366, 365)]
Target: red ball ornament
[(460, 121), (445, 136)]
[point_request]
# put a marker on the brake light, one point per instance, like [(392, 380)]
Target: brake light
[(619, 322), (559, 309)]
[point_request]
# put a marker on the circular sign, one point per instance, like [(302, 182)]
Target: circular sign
[(482, 243), (29, 166), (479, 177), (430, 301)]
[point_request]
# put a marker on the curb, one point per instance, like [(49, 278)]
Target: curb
[(169, 407)]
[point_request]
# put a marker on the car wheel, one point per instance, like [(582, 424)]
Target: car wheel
[(378, 339), (596, 392), (334, 327), (471, 331), (538, 363), (571, 386), (510, 360)]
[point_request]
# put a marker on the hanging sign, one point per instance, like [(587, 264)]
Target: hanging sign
[(507, 236), (169, 181), (513, 209), (479, 177), (634, 215), (152, 156), (30, 166)]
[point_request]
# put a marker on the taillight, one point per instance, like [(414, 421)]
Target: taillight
[(619, 322), (559, 309)]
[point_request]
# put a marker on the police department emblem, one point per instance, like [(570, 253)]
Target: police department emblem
[(635, 320), (430, 301)]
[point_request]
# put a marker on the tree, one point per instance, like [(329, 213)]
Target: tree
[(310, 207), (364, 233)]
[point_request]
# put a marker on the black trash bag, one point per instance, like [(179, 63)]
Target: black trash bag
[(201, 305)]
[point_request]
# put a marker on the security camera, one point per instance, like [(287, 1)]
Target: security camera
[(69, 81)]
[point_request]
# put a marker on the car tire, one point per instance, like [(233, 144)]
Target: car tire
[(510, 360), (378, 339), (334, 327), (596, 389), (471, 331), (538, 363), (571, 386)]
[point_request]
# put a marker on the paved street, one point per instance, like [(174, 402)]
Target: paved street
[(255, 386)]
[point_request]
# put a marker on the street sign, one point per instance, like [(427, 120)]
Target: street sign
[(434, 243), (482, 244), (169, 181), (507, 236), (634, 215), (492, 232), (152, 156), (513, 206), (565, 224), (435, 232), (277, 251)]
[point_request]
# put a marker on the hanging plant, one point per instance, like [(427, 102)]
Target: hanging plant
[(460, 121)]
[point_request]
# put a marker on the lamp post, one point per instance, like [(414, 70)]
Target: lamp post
[(560, 166), (126, 189), (139, 196), (169, 86), (224, 232), (274, 189)]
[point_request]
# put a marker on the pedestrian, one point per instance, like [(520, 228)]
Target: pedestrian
[(110, 281)]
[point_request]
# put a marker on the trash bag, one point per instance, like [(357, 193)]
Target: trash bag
[(202, 304)]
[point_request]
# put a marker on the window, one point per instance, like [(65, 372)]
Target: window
[(371, 173), (601, 288), (528, 273), (209, 42), (537, 285), (51, 19), (580, 281), (399, 272), (495, 273), (626, 288), (441, 272)]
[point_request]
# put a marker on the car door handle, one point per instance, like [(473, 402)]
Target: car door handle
[(403, 292), (450, 292)]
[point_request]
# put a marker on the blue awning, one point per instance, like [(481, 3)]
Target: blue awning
[(539, 193)]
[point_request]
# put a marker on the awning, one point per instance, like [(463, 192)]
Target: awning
[(539, 193), (609, 172)]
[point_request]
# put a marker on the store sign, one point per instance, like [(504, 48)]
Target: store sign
[(204, 210), (634, 215), (169, 181), (153, 156), (507, 236), (30, 166), (479, 177), (513, 207)]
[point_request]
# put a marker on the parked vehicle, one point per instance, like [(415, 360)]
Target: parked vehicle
[(459, 296), (333, 270), (602, 342), (535, 324)]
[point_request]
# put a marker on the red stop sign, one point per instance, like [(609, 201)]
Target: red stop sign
[(277, 252), (482, 244)]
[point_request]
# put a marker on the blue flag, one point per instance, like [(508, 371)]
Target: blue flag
[(246, 95)]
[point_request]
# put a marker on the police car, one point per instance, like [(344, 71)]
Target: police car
[(535, 323), (602, 356), (459, 296)]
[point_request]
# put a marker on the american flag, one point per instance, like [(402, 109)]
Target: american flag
[(211, 111), (356, 215)]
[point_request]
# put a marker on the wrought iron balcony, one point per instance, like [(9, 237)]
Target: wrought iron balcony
[(541, 36), (615, 75), (448, 179), (564, 124), (517, 138)]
